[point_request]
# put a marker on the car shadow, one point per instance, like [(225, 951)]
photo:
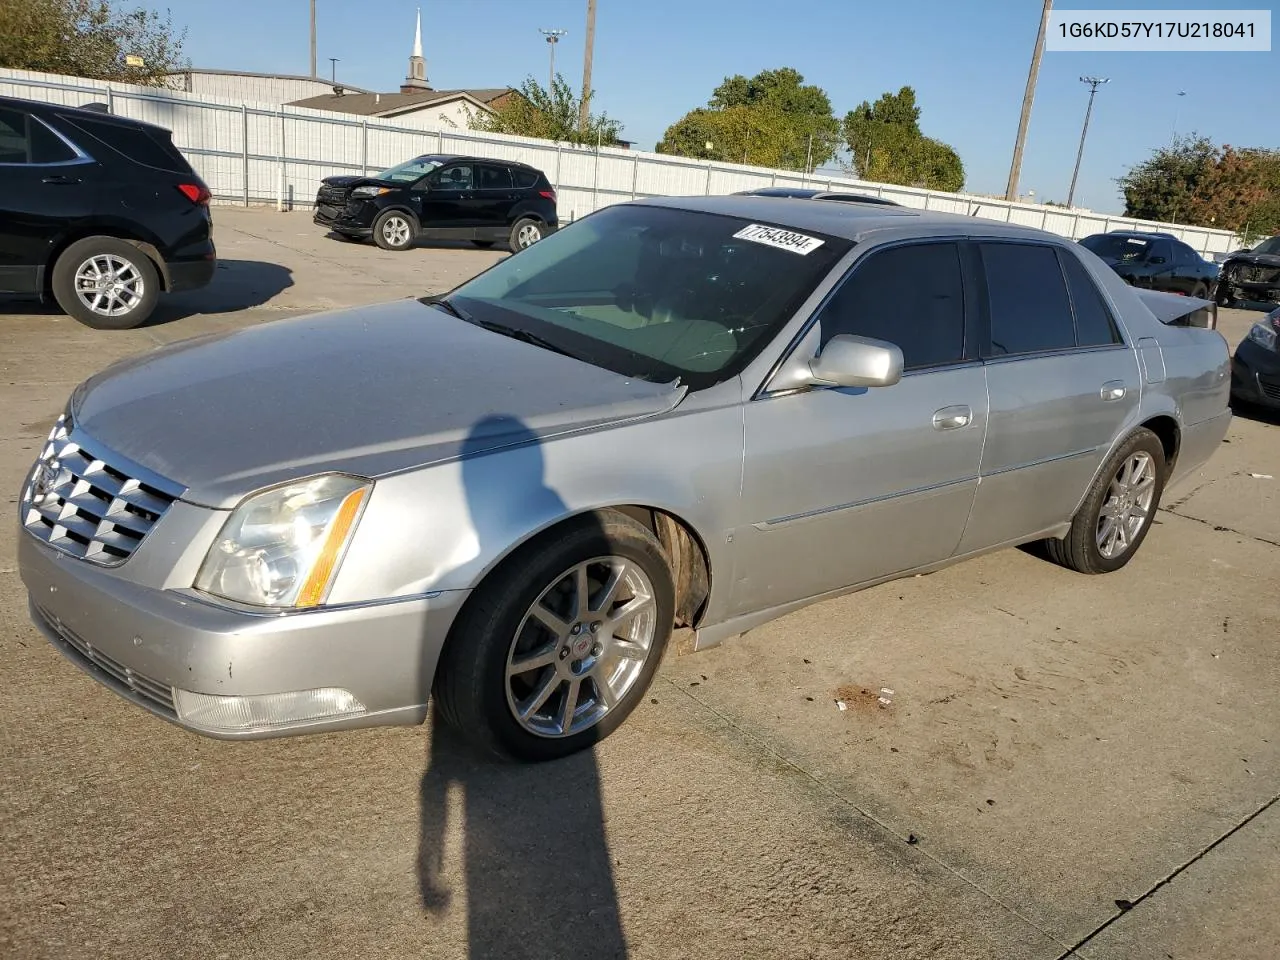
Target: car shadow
[(236, 285), (537, 875), (1254, 412), (499, 245)]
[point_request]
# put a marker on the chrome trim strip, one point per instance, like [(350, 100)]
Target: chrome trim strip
[(1037, 463), (766, 525)]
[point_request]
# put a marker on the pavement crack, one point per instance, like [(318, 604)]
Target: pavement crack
[(1219, 527), (1125, 906), (907, 838)]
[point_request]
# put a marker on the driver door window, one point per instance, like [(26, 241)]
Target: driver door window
[(458, 178)]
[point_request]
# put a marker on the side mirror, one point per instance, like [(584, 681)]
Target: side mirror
[(849, 361)]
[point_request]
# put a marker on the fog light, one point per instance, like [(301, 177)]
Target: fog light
[(264, 711)]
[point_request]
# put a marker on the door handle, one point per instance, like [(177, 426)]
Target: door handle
[(1114, 390), (952, 418), (61, 180)]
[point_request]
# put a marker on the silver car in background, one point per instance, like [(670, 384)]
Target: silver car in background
[(697, 413)]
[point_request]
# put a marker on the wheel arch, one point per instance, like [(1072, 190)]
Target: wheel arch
[(116, 231), (1166, 428)]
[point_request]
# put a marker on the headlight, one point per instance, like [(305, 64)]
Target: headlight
[(370, 191), (281, 547), (1263, 333)]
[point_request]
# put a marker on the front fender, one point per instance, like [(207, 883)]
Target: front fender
[(447, 526)]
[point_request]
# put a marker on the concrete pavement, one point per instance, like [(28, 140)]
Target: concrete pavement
[(1065, 762)]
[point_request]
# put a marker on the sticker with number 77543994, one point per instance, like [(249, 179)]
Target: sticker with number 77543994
[(780, 238)]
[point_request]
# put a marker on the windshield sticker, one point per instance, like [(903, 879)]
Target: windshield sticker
[(777, 237)]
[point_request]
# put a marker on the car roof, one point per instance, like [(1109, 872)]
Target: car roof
[(1139, 233), (451, 157), (41, 106), (852, 221)]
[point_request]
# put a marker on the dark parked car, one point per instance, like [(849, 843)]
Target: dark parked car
[(99, 212), (441, 198), (1255, 368), (1155, 261), (1251, 275), (807, 193)]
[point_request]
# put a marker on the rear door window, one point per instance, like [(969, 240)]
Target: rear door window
[(13, 136), (1029, 307), (47, 146), (525, 179), (493, 177), (151, 148), (1094, 324)]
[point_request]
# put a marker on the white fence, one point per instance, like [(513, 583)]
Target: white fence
[(262, 153)]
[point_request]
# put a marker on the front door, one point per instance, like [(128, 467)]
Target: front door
[(846, 485), (46, 186), (448, 204), (1062, 384)]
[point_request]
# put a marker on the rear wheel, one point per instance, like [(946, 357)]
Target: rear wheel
[(1117, 512), (106, 283), (1200, 291), (525, 233), (559, 645), (394, 230)]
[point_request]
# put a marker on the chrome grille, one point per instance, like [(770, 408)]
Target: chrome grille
[(81, 504), (116, 673)]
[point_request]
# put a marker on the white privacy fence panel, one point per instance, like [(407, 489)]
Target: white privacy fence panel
[(263, 153)]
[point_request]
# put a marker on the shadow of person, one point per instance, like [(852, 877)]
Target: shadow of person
[(537, 872)]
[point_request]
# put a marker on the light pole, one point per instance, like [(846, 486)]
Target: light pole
[(313, 39), (1015, 169), (333, 69), (1093, 83), (553, 37), (1177, 112)]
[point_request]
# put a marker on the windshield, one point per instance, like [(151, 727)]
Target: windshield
[(654, 293), (408, 171), (1271, 246), (1114, 247)]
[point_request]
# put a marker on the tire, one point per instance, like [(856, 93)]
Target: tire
[(395, 230), (1200, 291), (105, 283), (1223, 296), (1081, 549), (526, 232), (473, 690), (483, 244)]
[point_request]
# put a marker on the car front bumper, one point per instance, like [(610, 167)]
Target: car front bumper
[(1255, 375), (236, 674)]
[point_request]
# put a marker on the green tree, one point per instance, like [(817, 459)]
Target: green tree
[(89, 38), (1196, 182), (887, 146), (548, 115), (773, 119)]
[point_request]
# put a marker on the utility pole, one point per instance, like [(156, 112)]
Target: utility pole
[(313, 39), (553, 37), (584, 108), (1015, 170), (1177, 113), (1093, 92)]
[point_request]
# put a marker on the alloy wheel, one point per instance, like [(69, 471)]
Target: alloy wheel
[(1127, 506), (109, 285)]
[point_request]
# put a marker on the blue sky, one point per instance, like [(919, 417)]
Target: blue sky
[(657, 59)]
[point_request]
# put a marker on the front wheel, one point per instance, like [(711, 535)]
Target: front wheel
[(394, 230), (525, 233), (1117, 512), (559, 645)]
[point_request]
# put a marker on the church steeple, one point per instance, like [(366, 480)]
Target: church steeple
[(417, 78)]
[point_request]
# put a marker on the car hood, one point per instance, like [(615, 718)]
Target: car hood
[(367, 391), (1256, 259), (352, 180)]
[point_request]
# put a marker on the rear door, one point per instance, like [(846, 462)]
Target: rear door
[(495, 198), (1061, 382), (47, 185), (1162, 270)]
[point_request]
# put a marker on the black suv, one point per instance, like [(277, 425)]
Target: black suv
[(1252, 275), (442, 198), (1155, 261), (99, 212)]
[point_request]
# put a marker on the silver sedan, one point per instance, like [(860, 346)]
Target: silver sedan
[(696, 413)]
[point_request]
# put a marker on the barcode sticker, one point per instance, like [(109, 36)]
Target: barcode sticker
[(777, 237)]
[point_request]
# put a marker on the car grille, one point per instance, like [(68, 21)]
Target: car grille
[(82, 505), (116, 674), (1270, 387), (1251, 273), (332, 196)]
